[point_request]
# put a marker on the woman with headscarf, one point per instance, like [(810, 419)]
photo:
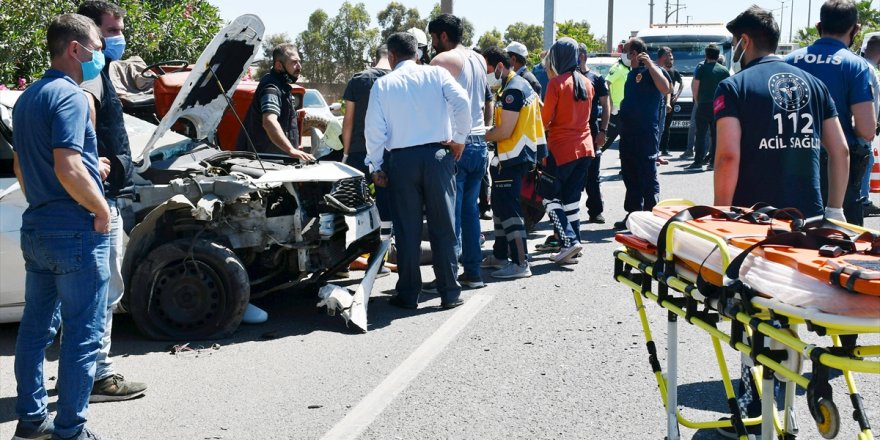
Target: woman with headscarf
[(566, 116)]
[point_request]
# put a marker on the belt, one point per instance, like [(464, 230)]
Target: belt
[(475, 139), (430, 145)]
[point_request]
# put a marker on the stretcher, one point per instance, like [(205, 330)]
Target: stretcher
[(771, 276)]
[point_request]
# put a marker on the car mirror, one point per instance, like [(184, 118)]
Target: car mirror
[(335, 107)]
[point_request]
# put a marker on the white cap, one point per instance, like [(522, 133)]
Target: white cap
[(518, 48), (421, 38)]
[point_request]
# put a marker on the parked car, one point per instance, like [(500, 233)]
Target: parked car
[(601, 62), (211, 229), (314, 104)]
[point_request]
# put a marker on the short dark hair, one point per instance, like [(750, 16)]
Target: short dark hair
[(515, 56), (663, 51), (381, 51), (95, 9), (447, 23), (495, 55), (838, 16), (712, 51), (637, 44), (66, 28), (582, 49), (759, 24), (873, 41), (283, 52), (403, 45)]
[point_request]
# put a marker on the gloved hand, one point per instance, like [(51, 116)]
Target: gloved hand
[(344, 159), (834, 214)]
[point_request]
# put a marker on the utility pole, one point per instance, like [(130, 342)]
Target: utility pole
[(651, 20), (781, 16), (549, 23), (809, 12), (677, 8), (791, 22), (609, 39), (446, 6), (667, 12)]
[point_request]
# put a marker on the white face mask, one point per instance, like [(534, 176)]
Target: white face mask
[(736, 64), (624, 58), (493, 82)]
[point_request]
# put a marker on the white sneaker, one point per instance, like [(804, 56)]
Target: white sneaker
[(491, 262), (513, 271), (567, 253)]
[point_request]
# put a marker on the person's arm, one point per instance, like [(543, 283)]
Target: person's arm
[(657, 75), (601, 137), (459, 104), (865, 121), (376, 134), (503, 130), (276, 135), (16, 168), (347, 128), (727, 156), (548, 112), (680, 88), (834, 142), (103, 162), (695, 88), (79, 185)]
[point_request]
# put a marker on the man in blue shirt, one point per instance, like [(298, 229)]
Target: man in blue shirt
[(848, 78), (421, 116), (65, 233), (644, 93), (771, 119)]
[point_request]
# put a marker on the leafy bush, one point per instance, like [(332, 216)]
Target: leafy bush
[(156, 30)]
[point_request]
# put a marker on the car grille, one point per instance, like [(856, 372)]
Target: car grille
[(350, 196), (683, 109)]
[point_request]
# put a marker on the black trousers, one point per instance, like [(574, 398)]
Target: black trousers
[(705, 122)]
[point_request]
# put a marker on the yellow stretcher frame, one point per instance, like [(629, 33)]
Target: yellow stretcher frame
[(851, 362)]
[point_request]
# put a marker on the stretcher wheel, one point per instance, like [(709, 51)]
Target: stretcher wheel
[(830, 425)]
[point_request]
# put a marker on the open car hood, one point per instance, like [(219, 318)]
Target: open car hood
[(201, 100)]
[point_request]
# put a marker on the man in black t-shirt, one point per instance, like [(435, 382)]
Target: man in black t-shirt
[(599, 131), (677, 84), (706, 79)]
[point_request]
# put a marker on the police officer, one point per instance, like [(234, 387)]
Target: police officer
[(644, 93), (519, 135), (848, 78), (271, 117), (772, 119)]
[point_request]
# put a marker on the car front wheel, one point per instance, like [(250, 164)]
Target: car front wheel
[(189, 289)]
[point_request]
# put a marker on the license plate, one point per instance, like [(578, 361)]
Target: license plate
[(680, 124)]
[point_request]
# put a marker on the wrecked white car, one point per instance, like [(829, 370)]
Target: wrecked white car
[(214, 229)]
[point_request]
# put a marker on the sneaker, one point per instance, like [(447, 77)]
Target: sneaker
[(566, 253), (710, 167), (470, 281), (36, 430), (513, 271), (485, 215), (88, 434), (551, 244), (662, 161), (871, 210), (621, 225), (383, 272), (430, 287), (598, 219), (687, 155), (730, 432), (114, 388), (491, 262), (694, 166), (665, 153), (571, 261)]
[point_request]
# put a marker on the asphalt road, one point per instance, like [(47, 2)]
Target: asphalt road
[(558, 356)]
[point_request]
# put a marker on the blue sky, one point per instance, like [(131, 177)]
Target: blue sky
[(629, 15)]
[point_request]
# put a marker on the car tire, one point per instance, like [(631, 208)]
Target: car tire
[(189, 290)]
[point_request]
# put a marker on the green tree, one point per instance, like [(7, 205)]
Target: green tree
[(156, 30), (532, 35), (806, 36), (467, 35), (491, 38), (269, 43), (397, 18), (580, 32), (314, 48), (351, 40), (868, 16)]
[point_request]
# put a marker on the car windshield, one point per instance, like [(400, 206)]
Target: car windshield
[(601, 67), (688, 50), (313, 99)]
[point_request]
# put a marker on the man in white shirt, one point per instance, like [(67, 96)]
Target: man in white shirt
[(421, 116)]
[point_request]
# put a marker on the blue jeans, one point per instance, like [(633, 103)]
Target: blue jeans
[(469, 175), (70, 269), (866, 181), (560, 187), (115, 289), (421, 182)]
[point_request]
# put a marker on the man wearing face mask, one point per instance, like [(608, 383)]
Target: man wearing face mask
[(65, 233), (115, 167), (422, 56), (518, 55), (271, 118), (519, 135), (645, 92), (772, 118), (848, 78)]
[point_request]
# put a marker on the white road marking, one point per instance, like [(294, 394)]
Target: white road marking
[(364, 413)]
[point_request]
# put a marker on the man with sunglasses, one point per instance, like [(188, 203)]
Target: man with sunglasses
[(65, 233)]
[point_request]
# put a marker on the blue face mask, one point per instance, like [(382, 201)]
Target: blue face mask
[(114, 47), (92, 68)]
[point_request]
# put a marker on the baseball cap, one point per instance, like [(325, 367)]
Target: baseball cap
[(421, 38), (518, 48)]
